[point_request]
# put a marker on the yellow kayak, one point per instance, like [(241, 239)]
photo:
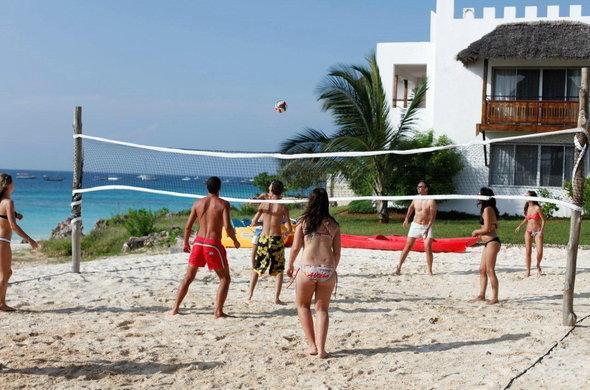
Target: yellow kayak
[(244, 236)]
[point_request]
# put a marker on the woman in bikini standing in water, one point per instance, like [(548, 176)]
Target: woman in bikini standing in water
[(8, 223), (535, 220), (488, 235), (319, 235)]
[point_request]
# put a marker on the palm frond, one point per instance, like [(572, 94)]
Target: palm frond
[(308, 141)]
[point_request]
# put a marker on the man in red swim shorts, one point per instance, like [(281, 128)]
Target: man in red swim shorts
[(214, 215)]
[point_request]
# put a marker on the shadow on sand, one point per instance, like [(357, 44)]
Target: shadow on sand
[(434, 347), (99, 309), (101, 368)]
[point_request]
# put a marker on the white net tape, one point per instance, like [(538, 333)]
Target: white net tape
[(118, 165)]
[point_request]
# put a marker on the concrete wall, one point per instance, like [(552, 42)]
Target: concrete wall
[(454, 100)]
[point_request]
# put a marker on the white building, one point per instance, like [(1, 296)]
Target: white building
[(507, 86)]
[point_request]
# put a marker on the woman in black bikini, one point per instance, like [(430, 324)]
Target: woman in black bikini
[(8, 223), (488, 219), (319, 236)]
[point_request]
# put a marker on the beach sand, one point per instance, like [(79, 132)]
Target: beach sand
[(108, 327)]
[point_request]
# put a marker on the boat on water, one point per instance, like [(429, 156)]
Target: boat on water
[(147, 177), (52, 178), (24, 175), (113, 178), (186, 178)]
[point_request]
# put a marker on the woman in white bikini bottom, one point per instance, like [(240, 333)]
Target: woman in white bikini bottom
[(8, 224), (318, 235)]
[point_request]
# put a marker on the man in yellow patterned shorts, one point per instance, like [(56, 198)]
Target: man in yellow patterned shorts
[(270, 253)]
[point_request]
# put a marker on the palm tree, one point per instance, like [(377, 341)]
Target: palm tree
[(354, 95)]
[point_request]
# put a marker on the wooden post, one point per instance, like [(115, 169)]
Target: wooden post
[(405, 93), (77, 198), (484, 93), (569, 317), (395, 82)]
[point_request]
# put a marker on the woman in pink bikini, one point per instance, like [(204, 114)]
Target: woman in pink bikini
[(535, 220), (319, 236)]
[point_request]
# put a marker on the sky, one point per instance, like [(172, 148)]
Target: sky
[(190, 74)]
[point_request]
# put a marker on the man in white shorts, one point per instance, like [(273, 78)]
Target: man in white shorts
[(424, 215)]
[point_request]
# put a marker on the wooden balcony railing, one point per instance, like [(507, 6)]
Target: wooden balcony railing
[(529, 115)]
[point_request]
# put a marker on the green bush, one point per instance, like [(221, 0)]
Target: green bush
[(549, 209), (61, 247), (140, 222), (361, 207), (263, 180), (104, 242), (248, 209)]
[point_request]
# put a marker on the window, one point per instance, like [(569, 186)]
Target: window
[(527, 84), (554, 84), (530, 165), (574, 77), (535, 84), (525, 171), (502, 164)]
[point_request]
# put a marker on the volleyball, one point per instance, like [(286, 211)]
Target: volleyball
[(281, 106)]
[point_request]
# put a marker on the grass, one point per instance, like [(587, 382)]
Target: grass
[(556, 230), (108, 240)]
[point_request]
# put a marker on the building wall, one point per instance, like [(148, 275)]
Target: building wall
[(454, 100)]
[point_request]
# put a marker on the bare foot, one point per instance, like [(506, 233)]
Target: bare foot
[(312, 350), (173, 312), (540, 272), (527, 274), (279, 302), (222, 315), (323, 354), (430, 273), (478, 298), (492, 302), (5, 307)]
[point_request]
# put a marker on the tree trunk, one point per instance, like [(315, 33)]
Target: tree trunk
[(382, 204), (569, 317), (383, 212)]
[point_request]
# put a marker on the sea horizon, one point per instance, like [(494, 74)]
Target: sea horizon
[(45, 203)]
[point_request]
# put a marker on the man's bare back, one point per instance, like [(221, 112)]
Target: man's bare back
[(273, 217), (212, 213)]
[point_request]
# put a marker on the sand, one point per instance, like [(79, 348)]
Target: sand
[(108, 327)]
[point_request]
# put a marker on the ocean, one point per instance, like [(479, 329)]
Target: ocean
[(45, 203)]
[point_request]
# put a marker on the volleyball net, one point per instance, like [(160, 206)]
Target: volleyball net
[(510, 166)]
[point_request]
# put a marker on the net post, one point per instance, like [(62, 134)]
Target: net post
[(581, 141), (76, 206)]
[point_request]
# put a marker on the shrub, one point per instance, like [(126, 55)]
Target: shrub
[(549, 209), (361, 207), (60, 247), (140, 222), (248, 209), (437, 168), (263, 180)]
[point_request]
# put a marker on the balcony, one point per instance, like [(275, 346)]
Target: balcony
[(528, 115)]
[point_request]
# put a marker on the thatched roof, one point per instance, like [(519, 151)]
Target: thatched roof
[(533, 40)]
